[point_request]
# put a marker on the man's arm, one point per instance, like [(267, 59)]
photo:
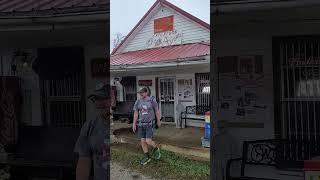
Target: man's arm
[(157, 111), (135, 116), (135, 119), (158, 115), (83, 168)]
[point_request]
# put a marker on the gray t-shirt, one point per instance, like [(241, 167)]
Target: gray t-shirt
[(146, 109), (92, 143)]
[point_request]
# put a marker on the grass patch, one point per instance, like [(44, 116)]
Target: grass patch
[(170, 166)]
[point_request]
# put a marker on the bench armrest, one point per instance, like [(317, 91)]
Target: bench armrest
[(228, 166)]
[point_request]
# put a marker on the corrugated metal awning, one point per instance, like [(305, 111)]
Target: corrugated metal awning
[(168, 53)]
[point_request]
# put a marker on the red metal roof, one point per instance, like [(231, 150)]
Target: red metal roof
[(19, 6), (168, 53), (164, 2)]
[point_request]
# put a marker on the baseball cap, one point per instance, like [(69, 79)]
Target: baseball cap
[(102, 90), (142, 90)]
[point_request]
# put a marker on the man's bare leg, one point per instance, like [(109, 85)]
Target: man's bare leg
[(150, 142), (144, 145), (156, 149)]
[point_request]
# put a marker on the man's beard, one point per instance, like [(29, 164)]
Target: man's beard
[(104, 115)]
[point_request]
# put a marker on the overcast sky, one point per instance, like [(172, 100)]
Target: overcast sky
[(125, 14)]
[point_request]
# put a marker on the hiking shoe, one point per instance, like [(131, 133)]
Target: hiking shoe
[(145, 160), (157, 154)]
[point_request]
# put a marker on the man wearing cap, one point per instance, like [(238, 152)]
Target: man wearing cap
[(145, 109), (92, 143)]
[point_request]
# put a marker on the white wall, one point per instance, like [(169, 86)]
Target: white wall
[(255, 39), (92, 51), (177, 75), (31, 109), (192, 32), (30, 90)]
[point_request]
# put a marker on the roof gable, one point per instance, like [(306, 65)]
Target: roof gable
[(144, 30)]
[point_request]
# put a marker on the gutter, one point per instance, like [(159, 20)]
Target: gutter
[(258, 5), (177, 63)]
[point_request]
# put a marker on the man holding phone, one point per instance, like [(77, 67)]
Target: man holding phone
[(145, 110)]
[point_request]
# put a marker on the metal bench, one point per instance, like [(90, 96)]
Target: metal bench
[(45, 152), (123, 110), (282, 154), (195, 112)]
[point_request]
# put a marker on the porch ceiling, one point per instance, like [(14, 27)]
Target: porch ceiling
[(50, 7), (62, 35), (276, 15)]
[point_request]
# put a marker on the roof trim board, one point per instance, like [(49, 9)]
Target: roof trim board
[(149, 14)]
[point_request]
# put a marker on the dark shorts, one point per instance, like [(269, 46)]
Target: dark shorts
[(145, 132)]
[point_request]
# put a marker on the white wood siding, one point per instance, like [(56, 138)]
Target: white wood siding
[(192, 32)]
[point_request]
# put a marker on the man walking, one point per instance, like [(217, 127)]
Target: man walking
[(92, 143), (145, 110)]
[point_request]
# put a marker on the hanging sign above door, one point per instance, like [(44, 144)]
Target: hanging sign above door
[(145, 82)]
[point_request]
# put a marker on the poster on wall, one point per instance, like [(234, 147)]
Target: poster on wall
[(185, 91), (241, 87), (99, 68)]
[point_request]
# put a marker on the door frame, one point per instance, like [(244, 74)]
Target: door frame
[(43, 84), (277, 84), (174, 96)]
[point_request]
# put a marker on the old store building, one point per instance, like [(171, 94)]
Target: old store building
[(267, 64), (169, 51), (47, 51)]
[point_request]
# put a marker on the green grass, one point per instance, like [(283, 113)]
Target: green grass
[(170, 166)]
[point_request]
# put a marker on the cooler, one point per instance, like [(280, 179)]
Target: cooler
[(207, 131), (312, 169)]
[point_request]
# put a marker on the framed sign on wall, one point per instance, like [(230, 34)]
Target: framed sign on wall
[(145, 82), (163, 24), (100, 68)]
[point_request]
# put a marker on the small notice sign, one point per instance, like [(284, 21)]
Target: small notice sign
[(100, 68)]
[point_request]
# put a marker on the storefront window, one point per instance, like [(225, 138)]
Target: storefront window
[(129, 88), (203, 89)]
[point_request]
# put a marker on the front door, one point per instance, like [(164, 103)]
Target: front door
[(167, 99)]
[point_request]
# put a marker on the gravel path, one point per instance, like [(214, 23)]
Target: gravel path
[(120, 173)]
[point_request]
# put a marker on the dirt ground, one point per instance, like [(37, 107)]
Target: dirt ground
[(119, 172), (168, 134)]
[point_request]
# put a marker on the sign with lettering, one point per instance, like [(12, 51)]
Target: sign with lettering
[(163, 24), (145, 82), (165, 39), (304, 62), (100, 68)]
